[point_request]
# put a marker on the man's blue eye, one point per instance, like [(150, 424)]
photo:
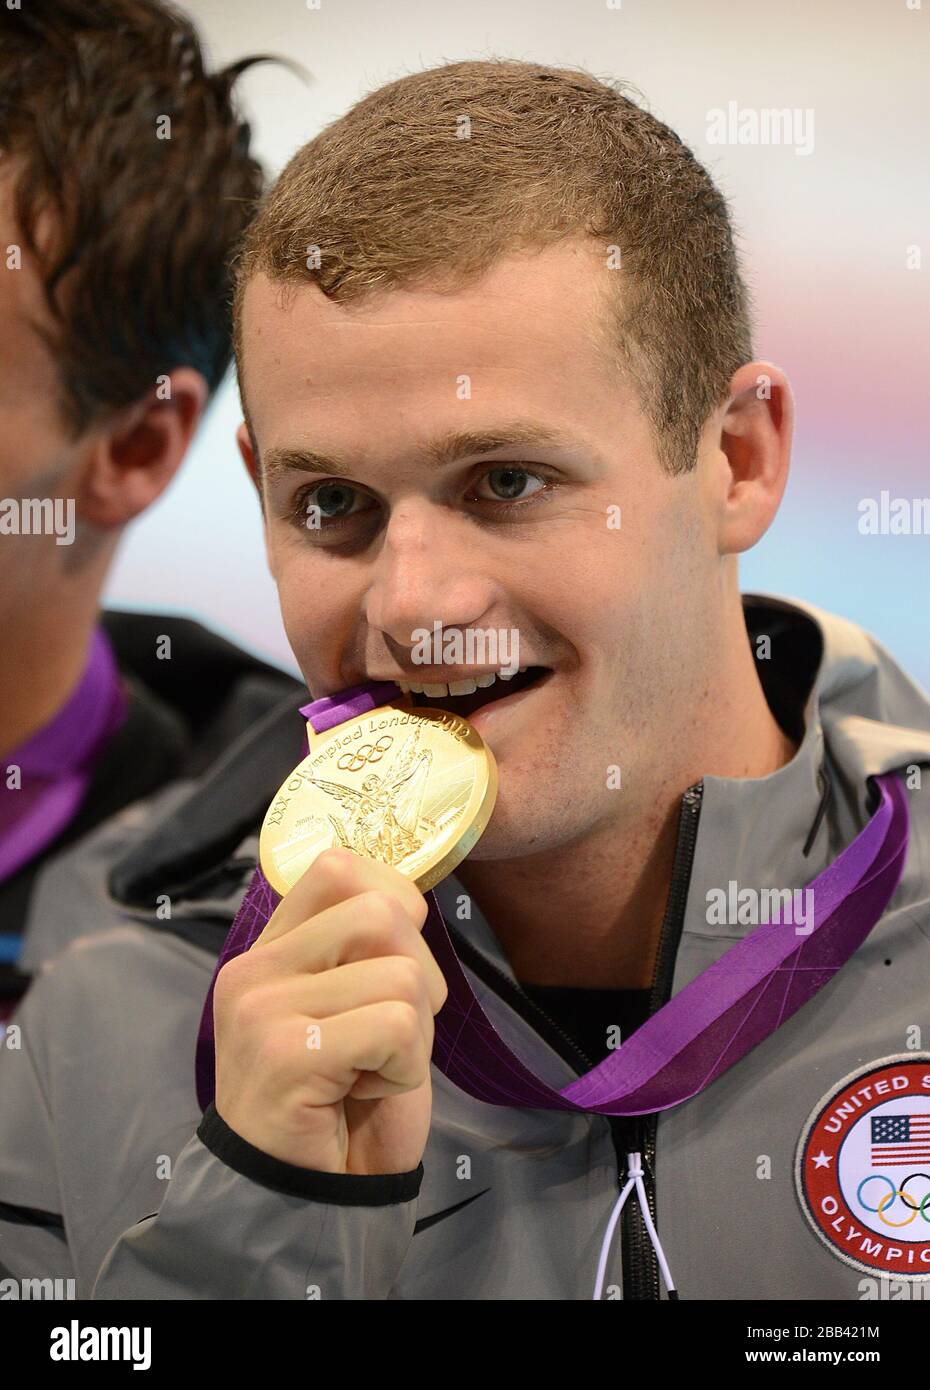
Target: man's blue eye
[(508, 483), (333, 499)]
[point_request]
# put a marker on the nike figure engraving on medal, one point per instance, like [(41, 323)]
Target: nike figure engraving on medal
[(410, 786)]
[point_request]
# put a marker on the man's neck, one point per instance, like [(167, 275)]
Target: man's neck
[(612, 887), (44, 651)]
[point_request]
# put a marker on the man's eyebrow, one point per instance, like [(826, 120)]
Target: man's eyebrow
[(444, 449)]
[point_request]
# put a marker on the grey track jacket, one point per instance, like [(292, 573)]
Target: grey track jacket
[(110, 1175)]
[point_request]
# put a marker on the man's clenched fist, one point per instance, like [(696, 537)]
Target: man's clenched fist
[(324, 1029)]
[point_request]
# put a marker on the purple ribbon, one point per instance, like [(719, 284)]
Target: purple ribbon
[(348, 704), (709, 1025)]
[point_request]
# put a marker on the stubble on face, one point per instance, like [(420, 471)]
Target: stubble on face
[(626, 614)]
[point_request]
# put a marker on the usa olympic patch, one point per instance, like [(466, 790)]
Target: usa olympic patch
[(862, 1168)]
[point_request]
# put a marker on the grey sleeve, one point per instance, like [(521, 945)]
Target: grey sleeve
[(236, 1223), (33, 1240)]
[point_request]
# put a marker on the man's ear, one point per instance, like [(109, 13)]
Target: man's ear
[(249, 458), (754, 433), (134, 456)]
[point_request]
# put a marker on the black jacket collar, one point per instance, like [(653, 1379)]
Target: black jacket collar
[(195, 840)]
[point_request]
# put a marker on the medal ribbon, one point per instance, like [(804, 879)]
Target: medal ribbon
[(730, 1008)]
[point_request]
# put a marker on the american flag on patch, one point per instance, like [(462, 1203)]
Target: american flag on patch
[(900, 1139)]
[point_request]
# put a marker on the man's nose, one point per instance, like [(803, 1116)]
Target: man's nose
[(429, 569)]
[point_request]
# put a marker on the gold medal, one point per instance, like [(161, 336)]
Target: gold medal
[(412, 787)]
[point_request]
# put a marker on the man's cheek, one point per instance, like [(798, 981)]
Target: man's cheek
[(607, 609), (300, 617)]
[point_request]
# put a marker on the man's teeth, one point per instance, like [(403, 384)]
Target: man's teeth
[(466, 687)]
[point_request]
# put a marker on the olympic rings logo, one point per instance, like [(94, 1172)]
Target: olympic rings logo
[(892, 1195), (368, 753)]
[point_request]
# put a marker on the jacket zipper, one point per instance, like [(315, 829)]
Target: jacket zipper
[(640, 1266), (630, 1133)]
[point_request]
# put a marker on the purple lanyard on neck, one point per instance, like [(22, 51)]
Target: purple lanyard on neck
[(703, 1030)]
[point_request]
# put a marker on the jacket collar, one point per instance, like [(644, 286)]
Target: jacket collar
[(764, 831), (187, 849), (834, 688)]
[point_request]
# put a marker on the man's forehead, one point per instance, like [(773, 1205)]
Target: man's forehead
[(543, 312), (540, 295)]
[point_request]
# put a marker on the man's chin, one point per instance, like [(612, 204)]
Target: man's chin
[(526, 821)]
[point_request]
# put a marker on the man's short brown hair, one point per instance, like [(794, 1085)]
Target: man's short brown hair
[(136, 262), (436, 176)]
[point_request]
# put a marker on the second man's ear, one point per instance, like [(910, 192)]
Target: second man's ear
[(134, 456)]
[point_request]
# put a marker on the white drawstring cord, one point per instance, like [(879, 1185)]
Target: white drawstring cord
[(634, 1179)]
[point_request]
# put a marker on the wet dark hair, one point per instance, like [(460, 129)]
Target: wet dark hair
[(136, 249)]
